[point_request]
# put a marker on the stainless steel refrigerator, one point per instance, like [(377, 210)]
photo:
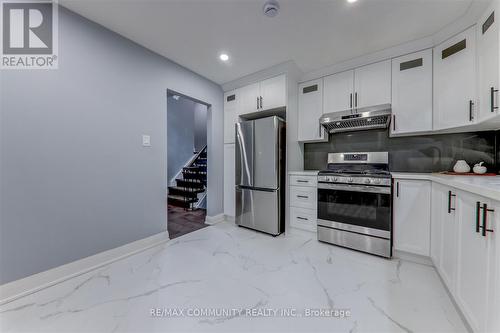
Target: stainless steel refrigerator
[(260, 174)]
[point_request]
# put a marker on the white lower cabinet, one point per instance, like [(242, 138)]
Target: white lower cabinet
[(302, 218), (466, 258), (449, 244), (412, 216), (476, 259), (444, 230), (303, 202), (437, 202), (229, 180), (303, 197)]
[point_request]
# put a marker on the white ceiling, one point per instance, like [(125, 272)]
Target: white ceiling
[(313, 33)]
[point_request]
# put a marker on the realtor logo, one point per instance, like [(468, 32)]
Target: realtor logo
[(29, 34)]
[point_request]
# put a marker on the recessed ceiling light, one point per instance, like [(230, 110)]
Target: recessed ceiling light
[(224, 57), (352, 1)]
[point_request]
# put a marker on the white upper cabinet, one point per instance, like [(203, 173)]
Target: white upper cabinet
[(412, 93), (372, 84), (310, 110), (249, 98), (264, 95), (231, 100), (364, 86), (455, 81), (273, 93), (338, 92), (488, 63), (412, 205)]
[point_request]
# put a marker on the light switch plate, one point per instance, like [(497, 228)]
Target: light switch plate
[(146, 140)]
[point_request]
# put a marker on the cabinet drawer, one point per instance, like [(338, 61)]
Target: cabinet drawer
[(302, 218), (303, 197), (303, 180)]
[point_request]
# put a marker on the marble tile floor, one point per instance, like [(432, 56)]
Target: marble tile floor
[(242, 276)]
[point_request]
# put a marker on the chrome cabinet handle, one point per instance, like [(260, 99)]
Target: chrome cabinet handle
[(302, 218), (393, 122), (356, 99), (303, 196), (257, 103), (261, 107), (492, 96), (302, 181), (350, 101)]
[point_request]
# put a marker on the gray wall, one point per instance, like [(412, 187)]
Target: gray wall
[(180, 134), (200, 126), (75, 179), (426, 153)]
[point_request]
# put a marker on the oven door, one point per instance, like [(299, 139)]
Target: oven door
[(356, 208)]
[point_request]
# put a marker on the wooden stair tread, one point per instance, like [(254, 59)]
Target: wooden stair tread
[(186, 189), (181, 198)]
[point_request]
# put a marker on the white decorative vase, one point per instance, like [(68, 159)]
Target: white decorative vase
[(461, 167)]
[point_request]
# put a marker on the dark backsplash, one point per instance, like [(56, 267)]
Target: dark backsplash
[(426, 153)]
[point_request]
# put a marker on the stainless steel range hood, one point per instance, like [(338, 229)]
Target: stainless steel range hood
[(372, 117)]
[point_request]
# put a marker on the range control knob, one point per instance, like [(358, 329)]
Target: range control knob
[(368, 181), (350, 180), (376, 181), (335, 179)]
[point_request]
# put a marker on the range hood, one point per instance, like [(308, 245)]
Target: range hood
[(372, 117)]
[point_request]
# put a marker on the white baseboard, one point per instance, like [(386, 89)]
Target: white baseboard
[(229, 218), (33, 283), (211, 220), (299, 231), (416, 258)]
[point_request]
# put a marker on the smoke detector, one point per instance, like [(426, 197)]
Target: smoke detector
[(271, 8)]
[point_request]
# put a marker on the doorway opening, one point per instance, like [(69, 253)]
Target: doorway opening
[(187, 158)]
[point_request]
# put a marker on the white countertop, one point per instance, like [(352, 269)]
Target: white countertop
[(304, 173), (482, 185)]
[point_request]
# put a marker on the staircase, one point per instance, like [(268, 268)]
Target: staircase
[(193, 182)]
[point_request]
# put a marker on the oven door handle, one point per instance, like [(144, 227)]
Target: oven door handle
[(355, 188)]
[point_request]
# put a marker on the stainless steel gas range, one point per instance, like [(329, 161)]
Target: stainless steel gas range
[(355, 202)]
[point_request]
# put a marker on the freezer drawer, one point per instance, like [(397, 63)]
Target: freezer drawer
[(258, 210)]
